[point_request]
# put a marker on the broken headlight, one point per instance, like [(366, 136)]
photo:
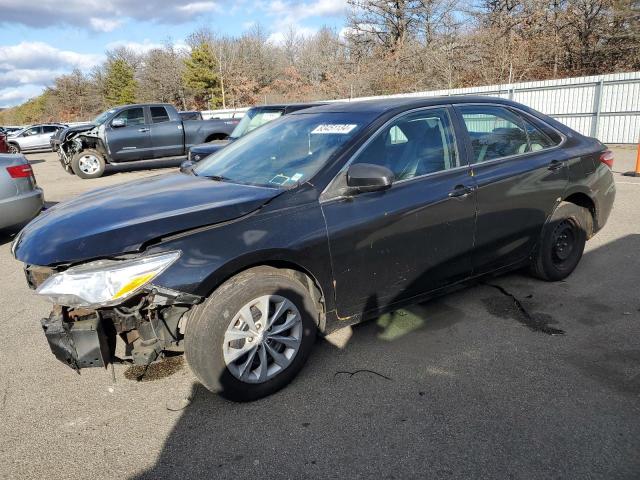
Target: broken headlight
[(104, 282)]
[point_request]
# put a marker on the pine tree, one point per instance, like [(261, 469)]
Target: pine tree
[(119, 83), (201, 75)]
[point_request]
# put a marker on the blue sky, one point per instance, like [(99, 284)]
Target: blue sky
[(42, 39)]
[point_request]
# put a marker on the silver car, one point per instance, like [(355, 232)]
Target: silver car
[(32, 138), (20, 197)]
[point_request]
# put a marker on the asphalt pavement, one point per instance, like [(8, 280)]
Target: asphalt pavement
[(470, 385)]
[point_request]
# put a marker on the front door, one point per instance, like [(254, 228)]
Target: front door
[(520, 177), (130, 140), (31, 138), (415, 237)]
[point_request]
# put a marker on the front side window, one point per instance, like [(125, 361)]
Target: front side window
[(285, 153), (159, 115), (132, 116), (414, 145), (497, 132), (32, 131)]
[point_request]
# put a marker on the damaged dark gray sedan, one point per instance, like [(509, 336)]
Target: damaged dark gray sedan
[(323, 218)]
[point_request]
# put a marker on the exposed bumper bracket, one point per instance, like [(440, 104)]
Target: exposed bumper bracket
[(79, 344)]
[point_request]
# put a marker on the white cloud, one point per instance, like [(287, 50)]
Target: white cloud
[(105, 15), (28, 67), (17, 95), (104, 24), (40, 54), (291, 12), (136, 47), (199, 7), (278, 38)]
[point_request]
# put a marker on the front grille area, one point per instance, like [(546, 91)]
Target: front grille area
[(37, 275)]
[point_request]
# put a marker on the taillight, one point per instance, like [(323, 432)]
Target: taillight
[(607, 158), (20, 171)]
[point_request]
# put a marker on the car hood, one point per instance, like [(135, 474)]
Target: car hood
[(209, 148), (76, 129), (115, 220)]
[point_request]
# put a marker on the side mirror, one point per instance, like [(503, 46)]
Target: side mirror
[(366, 177), (187, 166), (118, 122)]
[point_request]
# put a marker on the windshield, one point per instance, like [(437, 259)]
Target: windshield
[(254, 118), (283, 153), (100, 119)]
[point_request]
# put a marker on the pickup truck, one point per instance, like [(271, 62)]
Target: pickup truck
[(133, 132)]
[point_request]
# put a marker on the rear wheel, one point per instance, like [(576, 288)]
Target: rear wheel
[(88, 164), (562, 243), (252, 335)]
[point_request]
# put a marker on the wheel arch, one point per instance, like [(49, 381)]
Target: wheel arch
[(290, 267), (584, 200)]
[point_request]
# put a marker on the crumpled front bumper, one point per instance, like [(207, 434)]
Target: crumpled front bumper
[(80, 344)]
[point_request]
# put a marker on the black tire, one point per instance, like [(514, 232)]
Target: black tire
[(80, 169), (14, 148), (562, 242), (206, 327)]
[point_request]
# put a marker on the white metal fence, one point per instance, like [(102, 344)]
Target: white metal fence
[(605, 106)]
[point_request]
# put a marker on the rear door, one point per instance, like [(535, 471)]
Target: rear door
[(132, 140), (47, 132), (167, 135), (415, 237), (520, 176)]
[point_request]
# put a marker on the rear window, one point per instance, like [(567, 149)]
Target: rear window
[(159, 115), (498, 132)]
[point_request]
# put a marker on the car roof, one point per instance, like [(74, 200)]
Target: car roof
[(289, 105), (381, 105)]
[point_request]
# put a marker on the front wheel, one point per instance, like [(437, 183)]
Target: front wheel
[(252, 335), (88, 164), (14, 148), (562, 242)]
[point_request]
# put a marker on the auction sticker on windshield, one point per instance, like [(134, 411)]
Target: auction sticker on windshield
[(335, 128)]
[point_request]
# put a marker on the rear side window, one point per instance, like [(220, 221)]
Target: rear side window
[(414, 145), (159, 115), (50, 129), (497, 132), (132, 116)]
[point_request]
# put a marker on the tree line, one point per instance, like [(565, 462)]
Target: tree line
[(387, 47)]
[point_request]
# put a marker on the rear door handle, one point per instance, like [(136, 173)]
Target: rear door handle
[(143, 130), (460, 191), (555, 165)]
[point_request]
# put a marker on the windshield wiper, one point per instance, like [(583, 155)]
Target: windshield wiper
[(216, 178)]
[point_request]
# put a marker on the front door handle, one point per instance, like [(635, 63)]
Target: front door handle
[(555, 165), (143, 130), (460, 191)]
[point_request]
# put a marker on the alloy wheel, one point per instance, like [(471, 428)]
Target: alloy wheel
[(262, 339)]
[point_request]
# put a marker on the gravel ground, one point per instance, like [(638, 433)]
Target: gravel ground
[(460, 387)]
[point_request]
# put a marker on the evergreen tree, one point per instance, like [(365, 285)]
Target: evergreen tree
[(119, 83), (201, 76)]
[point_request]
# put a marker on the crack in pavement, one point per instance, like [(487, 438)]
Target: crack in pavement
[(535, 323), (351, 374)]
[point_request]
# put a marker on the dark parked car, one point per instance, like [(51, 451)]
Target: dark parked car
[(327, 217), (4, 146), (130, 133), (254, 117)]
